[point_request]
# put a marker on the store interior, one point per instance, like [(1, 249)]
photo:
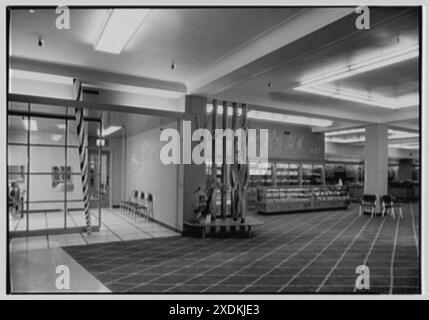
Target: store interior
[(340, 105)]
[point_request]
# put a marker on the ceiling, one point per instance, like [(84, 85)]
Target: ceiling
[(251, 55), (194, 38)]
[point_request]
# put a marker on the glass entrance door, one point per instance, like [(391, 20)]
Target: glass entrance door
[(45, 190)]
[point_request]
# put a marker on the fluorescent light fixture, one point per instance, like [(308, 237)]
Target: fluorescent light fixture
[(32, 126), (56, 137), (109, 130), (372, 62), (100, 142), (360, 97), (118, 28), (359, 135), (61, 126), (398, 134), (344, 132), (279, 117), (276, 117), (413, 146), (39, 76), (317, 84), (350, 140)]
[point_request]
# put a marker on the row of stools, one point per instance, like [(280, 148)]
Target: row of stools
[(139, 204)]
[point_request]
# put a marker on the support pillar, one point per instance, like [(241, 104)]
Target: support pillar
[(193, 175), (376, 160)]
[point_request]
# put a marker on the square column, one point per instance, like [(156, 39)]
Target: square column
[(376, 160), (193, 175)]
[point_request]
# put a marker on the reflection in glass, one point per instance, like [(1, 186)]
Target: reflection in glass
[(16, 130)]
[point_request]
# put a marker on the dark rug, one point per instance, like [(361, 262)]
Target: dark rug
[(313, 252)]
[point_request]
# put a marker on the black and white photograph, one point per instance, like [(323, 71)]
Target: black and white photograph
[(208, 150)]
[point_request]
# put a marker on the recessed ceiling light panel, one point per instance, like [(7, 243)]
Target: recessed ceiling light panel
[(118, 28)]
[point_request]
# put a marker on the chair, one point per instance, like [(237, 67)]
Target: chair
[(141, 205), (150, 205), (126, 206), (388, 205), (368, 201)]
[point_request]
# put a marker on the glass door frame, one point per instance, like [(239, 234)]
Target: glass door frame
[(28, 114)]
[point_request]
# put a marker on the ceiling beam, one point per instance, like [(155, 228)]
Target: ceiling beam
[(93, 75), (403, 114), (93, 105)]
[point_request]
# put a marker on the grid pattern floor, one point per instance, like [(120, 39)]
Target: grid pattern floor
[(314, 252), (114, 227)]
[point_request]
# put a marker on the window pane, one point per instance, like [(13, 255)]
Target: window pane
[(17, 197), (16, 131), (46, 159), (72, 133), (49, 131), (74, 192), (17, 158), (41, 219), (46, 187), (91, 128)]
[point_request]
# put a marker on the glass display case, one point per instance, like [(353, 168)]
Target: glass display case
[(307, 173), (260, 174), (287, 174), (348, 173), (291, 199)]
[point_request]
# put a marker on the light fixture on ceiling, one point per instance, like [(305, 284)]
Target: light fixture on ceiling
[(42, 77), (100, 142), (399, 134), (413, 146), (30, 124), (372, 62), (343, 136), (118, 28), (349, 140), (361, 97), (317, 84), (277, 117), (108, 131), (61, 126), (344, 132)]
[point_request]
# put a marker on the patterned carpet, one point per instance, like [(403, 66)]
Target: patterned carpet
[(315, 252)]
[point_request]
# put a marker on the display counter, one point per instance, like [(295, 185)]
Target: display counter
[(291, 199)]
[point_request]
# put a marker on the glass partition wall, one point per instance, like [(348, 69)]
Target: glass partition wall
[(45, 194)]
